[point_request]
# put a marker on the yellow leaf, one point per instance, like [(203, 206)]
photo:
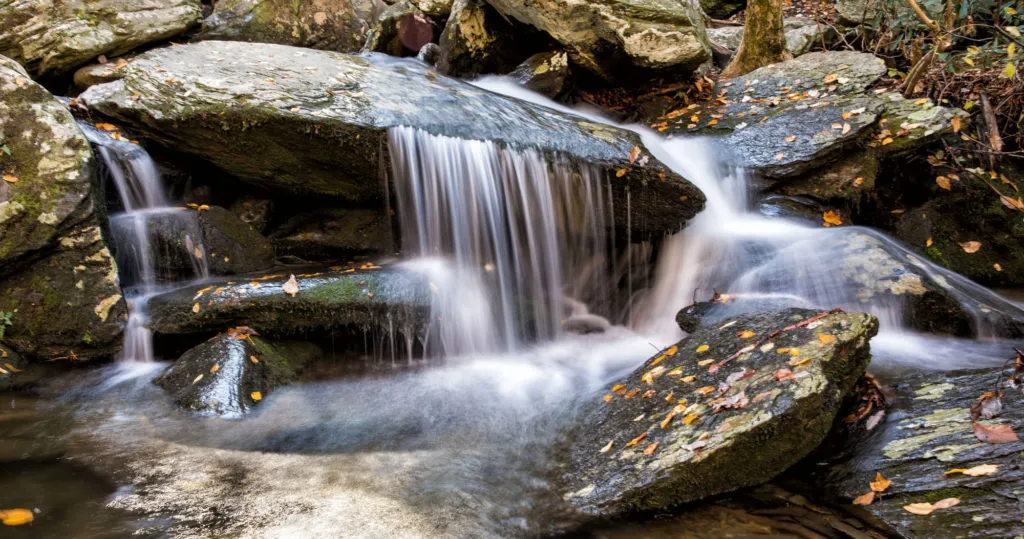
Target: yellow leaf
[(968, 61), (864, 499), (846, 115), (887, 141), (617, 387), (705, 362), (1010, 70), (620, 173), (970, 246), (943, 182), (928, 242), (832, 217), (687, 379), (921, 101), (636, 440), (10, 367), (609, 397), (880, 484), (694, 118), (195, 308), (702, 348), (976, 471), (16, 517), (796, 362), (633, 154), (651, 448), (690, 419), (10, 179), (997, 267), (256, 396), (215, 368), (672, 350), (668, 420), (1010, 11), (254, 359), (607, 447), (198, 378), (956, 124), (825, 339), (746, 334), (830, 78), (1011, 50), (790, 138), (198, 253), (203, 207)]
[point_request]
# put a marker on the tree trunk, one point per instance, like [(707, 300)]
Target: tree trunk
[(764, 41)]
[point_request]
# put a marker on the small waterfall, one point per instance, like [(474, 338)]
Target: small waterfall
[(519, 228), (145, 205)]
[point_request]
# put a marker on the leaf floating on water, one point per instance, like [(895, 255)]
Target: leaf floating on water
[(607, 447), (746, 334), (976, 471), (880, 484), (970, 247), (636, 440), (652, 448), (291, 286), (702, 348), (825, 339), (996, 434), (16, 517), (256, 396), (864, 499)]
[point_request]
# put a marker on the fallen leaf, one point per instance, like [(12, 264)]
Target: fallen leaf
[(970, 246), (825, 339), (946, 503), (10, 367), (636, 440), (928, 242), (687, 379), (987, 406), (796, 362), (617, 387), (997, 267), (943, 182), (106, 126), (291, 286), (256, 396), (197, 379), (880, 484), (633, 154), (16, 517), (779, 156), (976, 471), (690, 419), (830, 78), (620, 173), (10, 179), (746, 334), (195, 308), (886, 141), (832, 218), (783, 374), (203, 207), (956, 124), (652, 448), (702, 348), (254, 359), (996, 434), (921, 101), (791, 138), (864, 499), (609, 397), (919, 508), (846, 128), (215, 368), (607, 447), (705, 390)]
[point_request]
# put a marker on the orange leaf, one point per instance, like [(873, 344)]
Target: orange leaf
[(256, 396), (10, 179), (996, 434), (633, 154), (746, 334), (970, 246), (864, 499), (880, 483), (825, 339), (832, 217), (705, 390), (636, 440), (16, 517), (652, 448)]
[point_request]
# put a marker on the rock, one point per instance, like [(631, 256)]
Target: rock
[(8, 358), (285, 133), (868, 11), (401, 30), (334, 25), (762, 425), (182, 238), (722, 9), (545, 73), (434, 8), (57, 277), (51, 37), (929, 434), (231, 373), (615, 38), (478, 40), (254, 212), (429, 54), (361, 298), (334, 234), (802, 35), (93, 74)]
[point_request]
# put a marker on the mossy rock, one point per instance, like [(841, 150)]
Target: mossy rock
[(929, 432), (51, 37), (733, 422), (323, 130), (334, 25), (232, 373)]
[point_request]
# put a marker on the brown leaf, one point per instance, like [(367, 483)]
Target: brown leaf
[(633, 154), (652, 448), (919, 508), (943, 182), (987, 406), (996, 434), (976, 471), (864, 499), (970, 246)]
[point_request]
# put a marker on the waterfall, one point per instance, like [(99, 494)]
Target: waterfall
[(144, 203), (519, 230)]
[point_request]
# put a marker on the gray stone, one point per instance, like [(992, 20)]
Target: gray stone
[(612, 38), (51, 37), (227, 103), (733, 424), (401, 30), (335, 25), (870, 11), (545, 73), (97, 74), (802, 35)]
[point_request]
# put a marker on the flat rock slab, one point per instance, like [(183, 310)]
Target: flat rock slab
[(316, 122), (361, 298), (929, 432), (730, 406)]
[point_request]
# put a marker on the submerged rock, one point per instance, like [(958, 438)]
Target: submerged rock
[(51, 37), (238, 113), (477, 40), (365, 298), (335, 25), (231, 373), (928, 434), (58, 280), (615, 38), (545, 73), (728, 407)]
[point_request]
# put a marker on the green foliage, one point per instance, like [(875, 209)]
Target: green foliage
[(6, 320)]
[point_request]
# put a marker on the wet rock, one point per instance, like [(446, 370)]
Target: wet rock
[(849, 178), (335, 25), (429, 54), (722, 430), (545, 73), (93, 74), (334, 234), (57, 277), (928, 433), (286, 132), (401, 30), (231, 373), (50, 37), (722, 9), (615, 38), (477, 40), (434, 8), (363, 298), (802, 35), (254, 212), (10, 361)]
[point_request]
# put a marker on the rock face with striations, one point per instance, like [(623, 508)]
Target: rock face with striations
[(729, 406), (335, 25), (324, 129), (51, 37), (57, 277), (612, 38), (477, 39)]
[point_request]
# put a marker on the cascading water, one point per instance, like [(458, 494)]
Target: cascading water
[(142, 195)]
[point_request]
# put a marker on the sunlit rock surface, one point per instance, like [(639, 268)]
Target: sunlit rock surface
[(730, 406), (57, 277), (477, 39), (927, 433), (50, 37), (545, 73), (323, 128)]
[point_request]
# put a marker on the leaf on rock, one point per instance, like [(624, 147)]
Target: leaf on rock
[(636, 440), (705, 390), (702, 348), (16, 517), (633, 154), (256, 396), (254, 359), (970, 246), (617, 387), (956, 124), (607, 447), (943, 182), (864, 499), (796, 362), (106, 126), (652, 448), (197, 379), (825, 339), (924, 508), (832, 218), (291, 286), (215, 368), (746, 334), (880, 484), (195, 308), (620, 173), (976, 471), (987, 406), (791, 138), (996, 434), (10, 179)]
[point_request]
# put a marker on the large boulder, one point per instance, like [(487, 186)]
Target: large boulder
[(802, 35), (477, 40), (226, 102), (613, 38), (51, 37), (728, 407), (335, 25), (231, 373), (363, 298), (929, 434), (58, 280), (334, 234), (545, 73)]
